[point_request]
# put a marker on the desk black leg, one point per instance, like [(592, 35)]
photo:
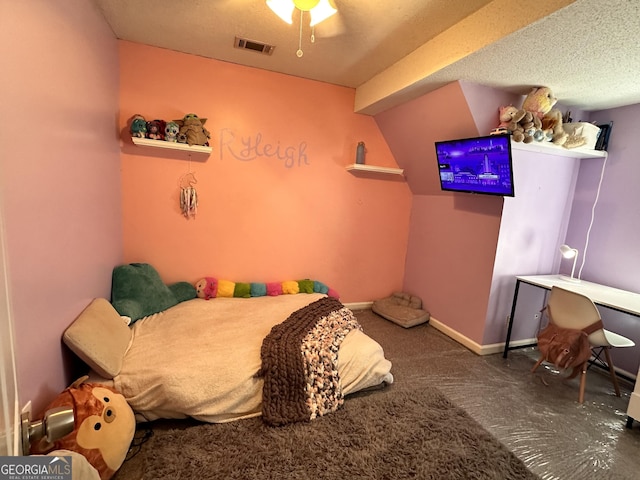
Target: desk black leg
[(513, 312)]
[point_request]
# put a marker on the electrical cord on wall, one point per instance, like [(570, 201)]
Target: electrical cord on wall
[(593, 212)]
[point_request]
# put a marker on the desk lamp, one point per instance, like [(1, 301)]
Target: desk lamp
[(568, 252)]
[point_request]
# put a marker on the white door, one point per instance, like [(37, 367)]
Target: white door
[(9, 406)]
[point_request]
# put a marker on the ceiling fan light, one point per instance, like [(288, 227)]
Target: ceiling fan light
[(321, 12), (283, 8), (305, 5)]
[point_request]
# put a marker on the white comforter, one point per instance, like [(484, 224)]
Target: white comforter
[(199, 358)]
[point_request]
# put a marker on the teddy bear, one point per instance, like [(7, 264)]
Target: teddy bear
[(506, 114), (104, 426), (192, 130), (539, 101), (524, 127), (552, 127)]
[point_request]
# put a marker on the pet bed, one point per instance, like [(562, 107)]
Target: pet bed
[(200, 357), (401, 308)]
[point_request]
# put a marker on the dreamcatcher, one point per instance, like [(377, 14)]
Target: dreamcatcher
[(188, 194)]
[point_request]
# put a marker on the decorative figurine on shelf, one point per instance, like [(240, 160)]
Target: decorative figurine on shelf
[(171, 132), (360, 153), (155, 129), (138, 126), (192, 130)]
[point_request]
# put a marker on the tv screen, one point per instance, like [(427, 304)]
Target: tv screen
[(476, 165)]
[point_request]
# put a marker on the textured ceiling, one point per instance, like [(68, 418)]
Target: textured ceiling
[(587, 51)]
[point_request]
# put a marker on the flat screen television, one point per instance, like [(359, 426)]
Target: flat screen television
[(476, 165)]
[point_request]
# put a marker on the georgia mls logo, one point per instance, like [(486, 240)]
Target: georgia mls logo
[(35, 468)]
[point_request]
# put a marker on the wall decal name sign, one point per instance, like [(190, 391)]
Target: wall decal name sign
[(251, 148)]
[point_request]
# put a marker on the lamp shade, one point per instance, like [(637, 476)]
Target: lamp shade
[(569, 252), (321, 12), (283, 8)]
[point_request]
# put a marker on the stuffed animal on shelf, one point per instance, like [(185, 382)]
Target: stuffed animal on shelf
[(506, 115), (524, 127), (155, 129), (104, 425), (210, 287), (552, 127), (171, 132), (192, 130), (539, 101), (138, 126)]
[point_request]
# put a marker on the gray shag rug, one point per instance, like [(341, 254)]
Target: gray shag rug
[(384, 434)]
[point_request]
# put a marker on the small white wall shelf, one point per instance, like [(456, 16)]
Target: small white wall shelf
[(360, 169), (549, 148), (148, 142)]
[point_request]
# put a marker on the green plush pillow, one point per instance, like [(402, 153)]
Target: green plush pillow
[(183, 291), (306, 286), (138, 291), (242, 290)]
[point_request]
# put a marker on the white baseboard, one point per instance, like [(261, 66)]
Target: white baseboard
[(470, 344), (358, 305), (474, 346)]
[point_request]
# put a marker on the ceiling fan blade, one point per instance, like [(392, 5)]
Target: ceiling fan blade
[(332, 27)]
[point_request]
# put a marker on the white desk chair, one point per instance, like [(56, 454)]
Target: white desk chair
[(573, 310)]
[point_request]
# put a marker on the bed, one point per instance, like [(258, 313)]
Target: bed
[(205, 359)]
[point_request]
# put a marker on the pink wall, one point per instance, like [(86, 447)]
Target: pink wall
[(452, 239), (262, 217), (60, 177)]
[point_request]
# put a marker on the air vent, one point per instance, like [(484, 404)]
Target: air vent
[(252, 45)]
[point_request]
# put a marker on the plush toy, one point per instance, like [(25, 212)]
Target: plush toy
[(552, 127), (171, 132), (138, 291), (104, 425), (138, 126), (539, 101), (155, 129), (210, 287), (192, 130), (524, 127), (506, 115)]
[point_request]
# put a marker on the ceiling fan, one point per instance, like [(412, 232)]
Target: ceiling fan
[(319, 10)]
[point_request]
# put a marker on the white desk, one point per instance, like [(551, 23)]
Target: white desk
[(614, 298)]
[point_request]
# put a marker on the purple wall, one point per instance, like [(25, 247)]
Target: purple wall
[(60, 181), (612, 256), (452, 238), (462, 247)]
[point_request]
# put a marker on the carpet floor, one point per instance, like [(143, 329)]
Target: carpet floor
[(386, 434), (535, 417)]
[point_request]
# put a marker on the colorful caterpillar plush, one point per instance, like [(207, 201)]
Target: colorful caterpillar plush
[(210, 287)]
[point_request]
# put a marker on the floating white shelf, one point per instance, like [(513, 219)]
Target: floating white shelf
[(356, 168), (549, 148), (148, 142)]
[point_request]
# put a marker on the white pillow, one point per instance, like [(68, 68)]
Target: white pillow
[(99, 337)]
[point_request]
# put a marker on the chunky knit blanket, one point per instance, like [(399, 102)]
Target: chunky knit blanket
[(300, 363)]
